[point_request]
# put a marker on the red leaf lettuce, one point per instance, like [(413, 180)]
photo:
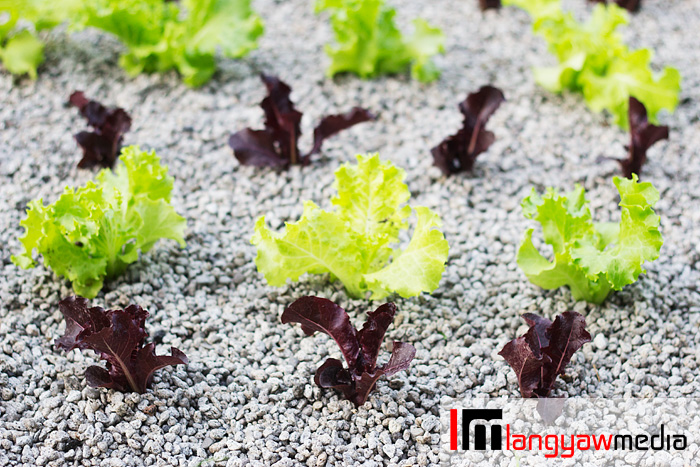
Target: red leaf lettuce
[(543, 352), (643, 135), (118, 336), (458, 152), (103, 145), (277, 144), (359, 348)]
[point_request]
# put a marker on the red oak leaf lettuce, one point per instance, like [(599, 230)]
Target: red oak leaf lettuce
[(543, 352), (458, 152), (643, 135), (102, 146), (359, 348), (117, 336), (277, 144)]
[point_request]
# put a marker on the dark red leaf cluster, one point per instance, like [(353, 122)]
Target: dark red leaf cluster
[(277, 144), (643, 135), (542, 354), (102, 146), (117, 336), (458, 152), (630, 5), (359, 348), (489, 4)]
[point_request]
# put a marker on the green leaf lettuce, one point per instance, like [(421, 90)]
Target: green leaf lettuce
[(184, 35), (594, 60), (591, 258), (355, 242), (369, 44), (94, 232)]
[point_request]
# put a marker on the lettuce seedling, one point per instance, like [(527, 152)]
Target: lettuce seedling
[(591, 258), (353, 242), (21, 51), (96, 231), (103, 145), (643, 135), (117, 336), (370, 44), (594, 61), (458, 152), (359, 348), (161, 35), (277, 144), (542, 353)]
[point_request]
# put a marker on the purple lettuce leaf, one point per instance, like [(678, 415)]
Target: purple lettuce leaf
[(643, 135), (333, 375), (322, 315), (372, 333), (457, 153), (102, 146), (566, 335), (543, 352), (256, 148), (282, 120), (360, 349), (277, 145), (117, 336), (334, 124)]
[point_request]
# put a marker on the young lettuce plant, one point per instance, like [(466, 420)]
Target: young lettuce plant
[(359, 348), (542, 353), (594, 61), (458, 152), (277, 144), (643, 135), (370, 44), (117, 336), (353, 242), (591, 258), (93, 233), (103, 145), (21, 51), (161, 35)]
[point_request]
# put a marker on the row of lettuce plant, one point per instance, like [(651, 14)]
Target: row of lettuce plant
[(277, 143), (92, 233), (187, 35)]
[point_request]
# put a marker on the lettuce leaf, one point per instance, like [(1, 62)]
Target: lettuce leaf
[(594, 61), (94, 232), (21, 51), (591, 259), (162, 35), (359, 348), (118, 337), (370, 44), (354, 243)]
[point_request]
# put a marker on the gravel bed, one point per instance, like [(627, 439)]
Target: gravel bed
[(247, 397)]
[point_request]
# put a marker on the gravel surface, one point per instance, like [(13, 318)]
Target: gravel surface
[(247, 397)]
